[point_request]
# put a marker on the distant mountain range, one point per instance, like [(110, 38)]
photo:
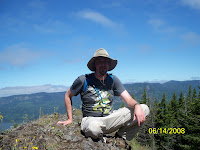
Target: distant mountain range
[(33, 105), (157, 89), (18, 90)]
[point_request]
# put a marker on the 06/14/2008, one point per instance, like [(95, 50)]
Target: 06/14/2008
[(166, 130)]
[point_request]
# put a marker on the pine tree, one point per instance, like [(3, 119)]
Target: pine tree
[(173, 107), (173, 118), (133, 96), (194, 95), (144, 97), (153, 112), (148, 102), (193, 128), (122, 105), (180, 119), (183, 114), (164, 108), (189, 120), (180, 100), (189, 97), (143, 136), (161, 121), (199, 93)]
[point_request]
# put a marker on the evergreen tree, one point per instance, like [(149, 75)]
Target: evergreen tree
[(173, 122), (155, 103), (163, 106), (143, 136), (122, 105), (180, 119), (181, 100), (144, 97), (194, 95), (199, 93), (189, 121), (161, 120), (173, 107), (189, 97), (153, 112), (184, 115), (148, 102), (194, 124), (133, 96)]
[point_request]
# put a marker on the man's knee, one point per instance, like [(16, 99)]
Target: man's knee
[(145, 109), (94, 129)]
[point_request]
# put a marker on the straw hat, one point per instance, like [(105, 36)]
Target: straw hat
[(101, 53)]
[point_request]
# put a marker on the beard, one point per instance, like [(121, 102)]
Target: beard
[(103, 71)]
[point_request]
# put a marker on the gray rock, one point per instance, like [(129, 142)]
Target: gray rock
[(44, 133)]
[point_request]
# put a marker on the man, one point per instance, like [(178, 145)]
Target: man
[(97, 91)]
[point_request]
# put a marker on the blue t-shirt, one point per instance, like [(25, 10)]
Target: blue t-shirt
[(97, 98)]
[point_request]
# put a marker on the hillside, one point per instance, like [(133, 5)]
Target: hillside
[(44, 133), (157, 89), (31, 106)]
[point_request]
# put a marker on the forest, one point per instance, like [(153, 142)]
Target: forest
[(173, 124)]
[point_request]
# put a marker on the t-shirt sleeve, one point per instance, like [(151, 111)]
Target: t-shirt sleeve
[(118, 87), (77, 86)]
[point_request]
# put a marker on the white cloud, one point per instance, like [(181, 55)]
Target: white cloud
[(191, 37), (53, 26), (18, 55), (156, 23), (158, 81), (8, 91), (160, 26), (113, 4), (145, 49), (195, 4), (195, 78), (74, 61), (37, 4), (97, 17)]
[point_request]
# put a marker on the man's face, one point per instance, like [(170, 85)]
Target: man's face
[(102, 65)]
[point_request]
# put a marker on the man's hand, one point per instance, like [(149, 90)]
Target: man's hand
[(65, 122), (139, 114), (68, 104)]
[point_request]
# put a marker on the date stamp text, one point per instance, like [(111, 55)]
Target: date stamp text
[(166, 130)]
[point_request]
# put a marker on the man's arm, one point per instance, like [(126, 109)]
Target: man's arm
[(138, 112), (68, 106)]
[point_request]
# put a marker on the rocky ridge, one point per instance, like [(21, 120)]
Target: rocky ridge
[(45, 134)]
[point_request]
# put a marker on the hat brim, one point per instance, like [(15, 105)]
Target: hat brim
[(91, 66)]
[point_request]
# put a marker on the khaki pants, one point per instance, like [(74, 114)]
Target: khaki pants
[(121, 119)]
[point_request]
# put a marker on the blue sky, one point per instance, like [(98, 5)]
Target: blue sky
[(50, 42)]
